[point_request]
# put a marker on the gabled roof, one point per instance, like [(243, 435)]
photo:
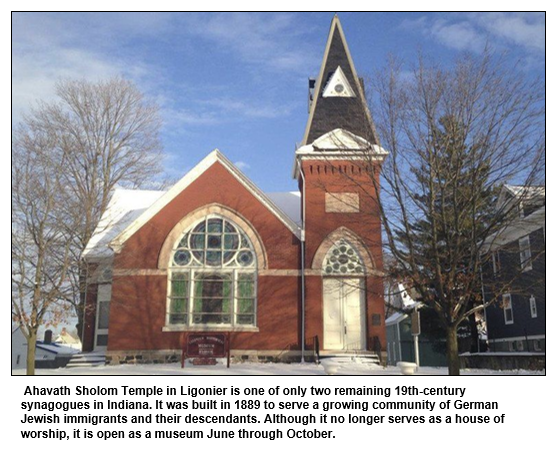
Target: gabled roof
[(512, 194), (515, 230), (329, 113), (214, 157), (125, 206), (289, 203)]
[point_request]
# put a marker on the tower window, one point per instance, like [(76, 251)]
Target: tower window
[(343, 259)]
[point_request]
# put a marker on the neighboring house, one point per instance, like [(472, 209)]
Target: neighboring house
[(19, 348), (48, 354), (400, 341), (215, 253), (517, 321), (68, 339)]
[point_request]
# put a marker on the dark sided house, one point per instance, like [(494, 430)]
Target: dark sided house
[(517, 321)]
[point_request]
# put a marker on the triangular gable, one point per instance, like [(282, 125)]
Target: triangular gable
[(338, 85), (339, 139), (321, 119), (189, 178)]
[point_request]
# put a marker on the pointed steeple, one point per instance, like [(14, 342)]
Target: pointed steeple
[(337, 100)]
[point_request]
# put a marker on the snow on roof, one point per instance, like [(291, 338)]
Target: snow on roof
[(510, 195), (56, 348), (127, 205), (124, 207), (289, 203), (340, 139), (527, 192), (515, 230), (395, 318)]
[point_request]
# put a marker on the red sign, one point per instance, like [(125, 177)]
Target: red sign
[(205, 347)]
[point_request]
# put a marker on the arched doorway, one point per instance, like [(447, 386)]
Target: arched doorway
[(344, 309)]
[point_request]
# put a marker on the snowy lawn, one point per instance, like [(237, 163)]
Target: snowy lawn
[(257, 369)]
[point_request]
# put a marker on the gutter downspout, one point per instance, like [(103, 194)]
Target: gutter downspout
[(303, 262)]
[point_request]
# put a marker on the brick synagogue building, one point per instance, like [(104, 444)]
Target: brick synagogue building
[(279, 272)]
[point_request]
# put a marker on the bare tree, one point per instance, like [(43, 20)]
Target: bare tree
[(455, 136), (107, 134), (42, 229)]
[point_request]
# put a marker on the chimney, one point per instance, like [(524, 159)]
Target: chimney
[(48, 337), (311, 90)]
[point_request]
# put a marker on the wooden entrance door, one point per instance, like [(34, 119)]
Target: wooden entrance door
[(344, 314)]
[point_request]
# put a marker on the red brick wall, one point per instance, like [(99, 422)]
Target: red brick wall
[(138, 305), (342, 177)]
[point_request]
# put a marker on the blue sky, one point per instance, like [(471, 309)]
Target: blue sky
[(238, 81)]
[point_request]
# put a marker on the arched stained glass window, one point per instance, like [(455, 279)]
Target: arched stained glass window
[(213, 276), (343, 259), (214, 242)]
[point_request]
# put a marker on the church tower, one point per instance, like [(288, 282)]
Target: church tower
[(337, 167)]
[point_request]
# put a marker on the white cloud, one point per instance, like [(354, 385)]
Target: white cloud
[(47, 48), (242, 165), (461, 35), (473, 31), (248, 108), (269, 40), (523, 29)]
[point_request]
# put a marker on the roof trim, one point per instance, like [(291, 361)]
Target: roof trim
[(215, 156), (336, 23), (357, 148), (515, 230)]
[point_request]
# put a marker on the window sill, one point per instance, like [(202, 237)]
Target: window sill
[(210, 328)]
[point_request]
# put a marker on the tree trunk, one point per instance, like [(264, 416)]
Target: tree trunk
[(452, 351), (31, 347)]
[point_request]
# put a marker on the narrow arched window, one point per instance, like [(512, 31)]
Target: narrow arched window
[(343, 259), (212, 277)]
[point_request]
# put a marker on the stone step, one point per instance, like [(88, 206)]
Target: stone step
[(371, 356), (87, 360)]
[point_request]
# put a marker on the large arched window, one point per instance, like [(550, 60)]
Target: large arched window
[(212, 277), (343, 259)]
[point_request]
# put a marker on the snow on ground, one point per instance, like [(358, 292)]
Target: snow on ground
[(258, 369)]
